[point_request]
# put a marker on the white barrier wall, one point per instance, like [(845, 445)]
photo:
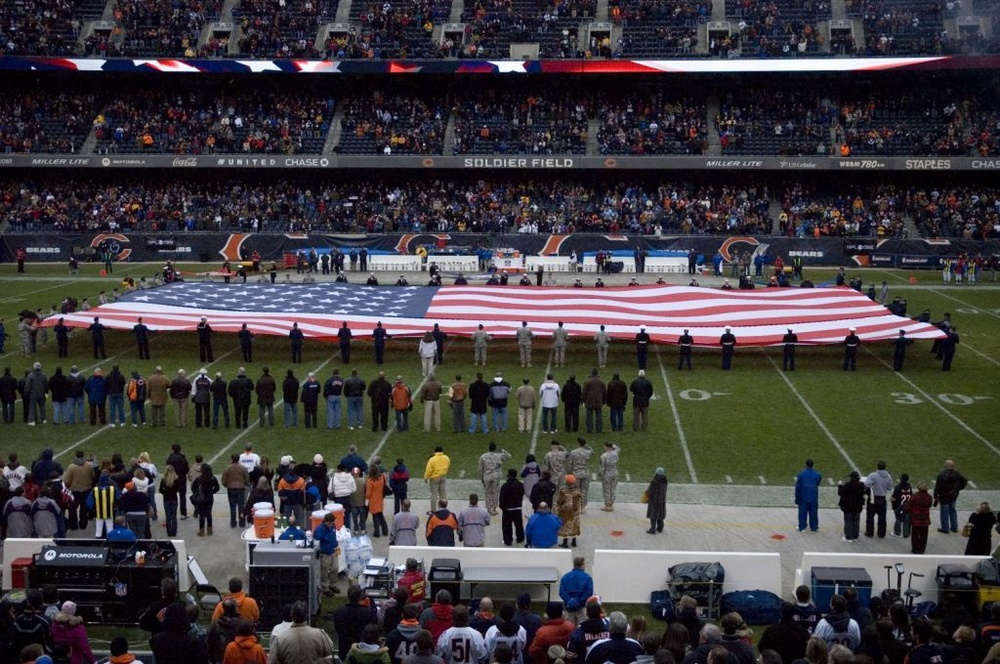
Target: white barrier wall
[(875, 563), (666, 264), (619, 576), (14, 548), (455, 263), (550, 263), (394, 263), (629, 576), (561, 559)]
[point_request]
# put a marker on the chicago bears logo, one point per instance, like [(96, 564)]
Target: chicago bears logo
[(112, 242), (732, 242)]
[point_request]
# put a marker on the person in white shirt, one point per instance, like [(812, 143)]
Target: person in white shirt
[(249, 459), (462, 644)]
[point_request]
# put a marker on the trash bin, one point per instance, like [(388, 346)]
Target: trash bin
[(445, 574), (830, 581)]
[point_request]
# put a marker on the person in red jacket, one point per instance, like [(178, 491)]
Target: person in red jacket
[(555, 631), (919, 507), (437, 618)]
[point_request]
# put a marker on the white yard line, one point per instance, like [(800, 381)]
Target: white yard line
[(931, 400), (812, 413), (538, 415), (964, 303), (681, 437)]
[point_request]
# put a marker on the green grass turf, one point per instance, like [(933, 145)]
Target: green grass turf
[(753, 425)]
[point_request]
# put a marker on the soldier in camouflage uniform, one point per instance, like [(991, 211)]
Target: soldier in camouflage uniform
[(480, 338), (524, 337), (555, 462), (490, 473), (603, 342), (578, 464), (560, 338), (609, 475)]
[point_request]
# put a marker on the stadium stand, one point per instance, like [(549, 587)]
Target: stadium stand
[(386, 123), (45, 123), (650, 123), (213, 121), (513, 122)]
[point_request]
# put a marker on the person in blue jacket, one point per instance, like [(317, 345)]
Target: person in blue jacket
[(97, 397), (807, 496), (542, 530), (575, 588)]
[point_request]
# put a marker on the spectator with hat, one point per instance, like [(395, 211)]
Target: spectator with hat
[(438, 616), (656, 501), (590, 630), (851, 343), (68, 628)]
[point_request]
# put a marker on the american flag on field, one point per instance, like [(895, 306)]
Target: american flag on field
[(758, 317)]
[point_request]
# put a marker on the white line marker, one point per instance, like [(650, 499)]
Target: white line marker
[(729, 480), (964, 303), (812, 413), (971, 484), (936, 403), (762, 480), (681, 438), (538, 415)]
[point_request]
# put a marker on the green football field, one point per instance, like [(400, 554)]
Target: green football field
[(753, 425)]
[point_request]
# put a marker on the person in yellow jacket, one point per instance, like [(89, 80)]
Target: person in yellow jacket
[(436, 475)]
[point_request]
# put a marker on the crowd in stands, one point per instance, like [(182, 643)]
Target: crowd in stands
[(777, 28), (387, 123), (39, 27), (521, 123), (405, 29), (163, 27), (281, 28), (919, 122), (868, 117), (871, 212), (70, 204), (650, 124), (783, 121), (210, 122), (658, 29), (961, 212), (64, 204), (894, 27), (390, 30), (43, 123)]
